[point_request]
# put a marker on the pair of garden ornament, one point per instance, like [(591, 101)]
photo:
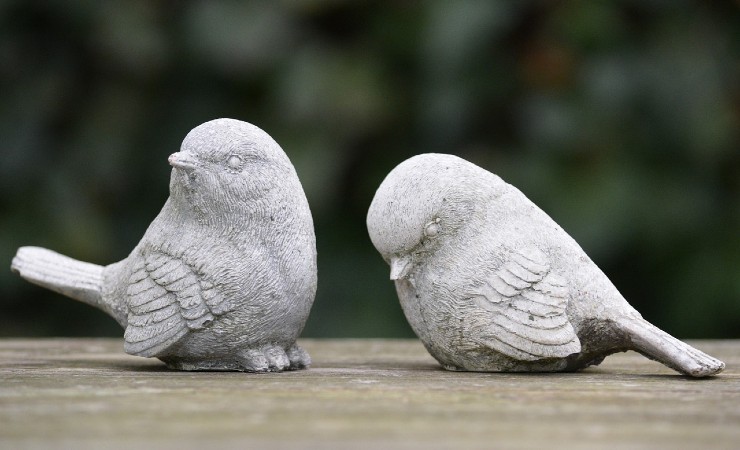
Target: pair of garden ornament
[(225, 276)]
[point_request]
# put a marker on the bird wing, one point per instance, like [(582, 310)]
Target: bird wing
[(167, 299), (527, 304)]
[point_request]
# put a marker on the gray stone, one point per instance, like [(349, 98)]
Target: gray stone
[(489, 282), (225, 276)]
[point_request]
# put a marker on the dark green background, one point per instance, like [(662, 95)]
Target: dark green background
[(620, 119)]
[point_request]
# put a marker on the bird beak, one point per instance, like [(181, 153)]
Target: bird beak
[(180, 160), (400, 267)]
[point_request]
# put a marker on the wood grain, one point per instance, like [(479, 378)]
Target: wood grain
[(86, 393)]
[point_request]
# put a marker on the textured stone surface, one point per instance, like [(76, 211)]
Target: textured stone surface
[(489, 282), (225, 276), (367, 394)]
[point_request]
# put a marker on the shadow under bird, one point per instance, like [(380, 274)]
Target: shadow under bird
[(225, 276), (489, 282)]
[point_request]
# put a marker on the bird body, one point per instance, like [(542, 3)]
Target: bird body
[(489, 282), (225, 276)]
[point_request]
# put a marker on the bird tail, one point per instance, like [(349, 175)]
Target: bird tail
[(76, 279), (656, 344)]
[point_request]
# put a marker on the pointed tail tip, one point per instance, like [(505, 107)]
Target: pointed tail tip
[(658, 345), (705, 366), (31, 262), (77, 279), (20, 259)]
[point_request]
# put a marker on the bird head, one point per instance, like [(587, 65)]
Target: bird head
[(425, 204), (228, 166)]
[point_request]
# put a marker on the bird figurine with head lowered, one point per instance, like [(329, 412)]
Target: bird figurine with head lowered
[(489, 282), (225, 276)]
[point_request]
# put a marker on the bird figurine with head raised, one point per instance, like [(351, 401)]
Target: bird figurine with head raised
[(225, 276), (491, 283)]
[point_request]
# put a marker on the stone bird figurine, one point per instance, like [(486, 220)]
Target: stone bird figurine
[(489, 282), (225, 276)]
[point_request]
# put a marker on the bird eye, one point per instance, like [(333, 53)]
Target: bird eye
[(431, 229), (234, 162)]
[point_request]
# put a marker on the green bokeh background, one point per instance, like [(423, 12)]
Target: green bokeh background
[(621, 119)]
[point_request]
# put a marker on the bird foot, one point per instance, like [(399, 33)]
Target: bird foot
[(270, 358), (273, 358), (299, 358)]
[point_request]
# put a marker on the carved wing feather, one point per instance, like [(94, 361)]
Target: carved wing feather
[(527, 305), (167, 299), (214, 299)]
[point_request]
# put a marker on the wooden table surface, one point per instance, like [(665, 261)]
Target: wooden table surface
[(384, 394)]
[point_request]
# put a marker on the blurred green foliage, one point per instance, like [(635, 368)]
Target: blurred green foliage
[(619, 118)]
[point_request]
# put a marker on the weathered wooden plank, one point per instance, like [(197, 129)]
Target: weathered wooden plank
[(86, 393)]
